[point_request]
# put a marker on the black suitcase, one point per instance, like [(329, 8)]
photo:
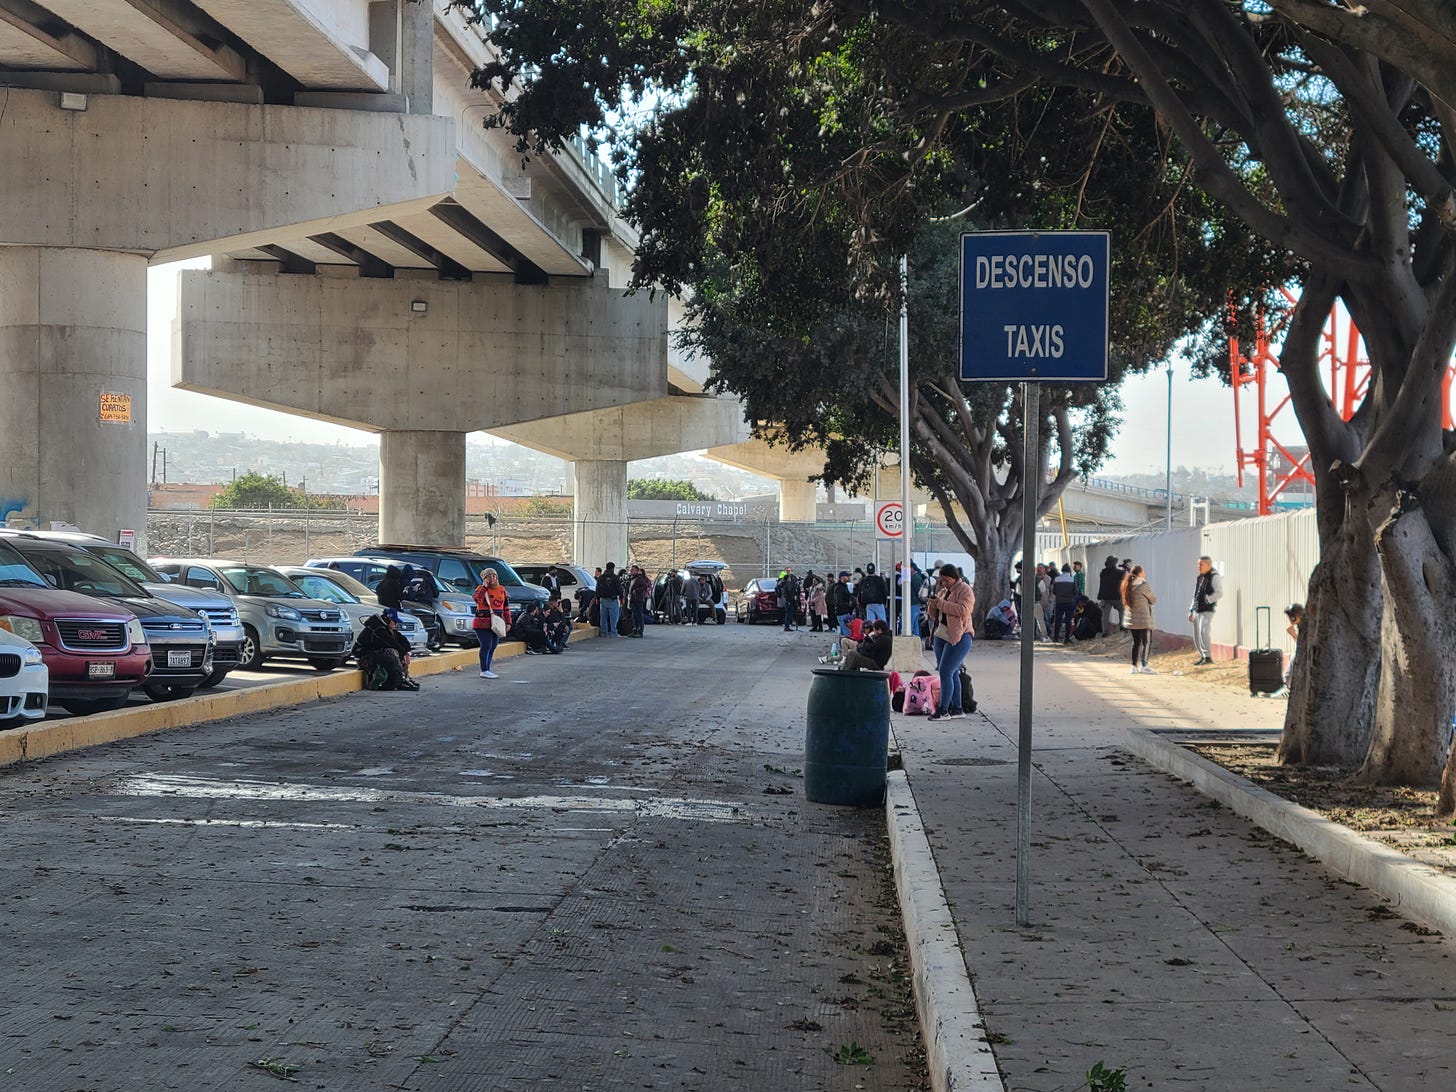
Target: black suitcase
[(1266, 665)]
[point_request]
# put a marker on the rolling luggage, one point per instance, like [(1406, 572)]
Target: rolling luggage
[(1266, 664)]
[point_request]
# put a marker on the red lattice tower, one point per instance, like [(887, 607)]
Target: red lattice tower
[(1347, 371)]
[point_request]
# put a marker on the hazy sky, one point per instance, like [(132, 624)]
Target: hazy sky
[(1203, 428)]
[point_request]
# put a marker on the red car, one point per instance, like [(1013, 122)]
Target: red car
[(96, 653)]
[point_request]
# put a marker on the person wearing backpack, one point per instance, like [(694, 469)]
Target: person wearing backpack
[(841, 603), (874, 595), (609, 600), (382, 653)]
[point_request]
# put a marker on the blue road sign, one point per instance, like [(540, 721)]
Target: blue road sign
[(1034, 305)]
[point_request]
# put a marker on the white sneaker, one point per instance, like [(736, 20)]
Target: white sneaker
[(1136, 671), (489, 675), (1148, 670)]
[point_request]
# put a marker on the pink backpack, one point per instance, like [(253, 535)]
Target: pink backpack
[(922, 696)]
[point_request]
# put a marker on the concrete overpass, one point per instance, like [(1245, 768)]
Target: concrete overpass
[(379, 259)]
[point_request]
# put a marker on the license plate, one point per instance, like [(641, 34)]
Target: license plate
[(101, 671), (179, 659)]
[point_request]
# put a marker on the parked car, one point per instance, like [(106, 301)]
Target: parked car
[(279, 620), (95, 651), (217, 608), (356, 601), (25, 682), (181, 640), (459, 571), (449, 615), (760, 600)]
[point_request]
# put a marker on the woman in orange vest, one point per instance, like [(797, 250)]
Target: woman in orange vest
[(492, 618)]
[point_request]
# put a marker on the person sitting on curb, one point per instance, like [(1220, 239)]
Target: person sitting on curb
[(382, 653), (873, 653), (530, 629), (558, 625)]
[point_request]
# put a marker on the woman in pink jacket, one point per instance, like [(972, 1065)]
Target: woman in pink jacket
[(950, 617)]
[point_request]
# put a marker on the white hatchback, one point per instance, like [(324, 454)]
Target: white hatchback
[(25, 681)]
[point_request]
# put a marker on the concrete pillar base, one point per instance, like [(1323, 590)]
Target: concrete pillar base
[(909, 656), (599, 525), (73, 372), (422, 488), (798, 501)]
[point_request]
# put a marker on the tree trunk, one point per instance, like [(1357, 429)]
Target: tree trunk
[(1337, 661), (993, 581), (1411, 742)]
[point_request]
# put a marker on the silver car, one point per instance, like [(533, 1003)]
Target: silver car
[(456, 609), (279, 620), (355, 600), (217, 608)]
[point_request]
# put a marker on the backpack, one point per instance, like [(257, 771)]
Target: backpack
[(968, 692), (922, 696)]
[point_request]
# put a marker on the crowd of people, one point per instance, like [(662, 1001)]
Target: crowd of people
[(831, 604)]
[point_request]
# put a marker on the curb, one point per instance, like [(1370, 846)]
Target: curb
[(28, 744), (1417, 891), (957, 1054)]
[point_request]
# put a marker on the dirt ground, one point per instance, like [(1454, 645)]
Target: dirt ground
[(1401, 818)]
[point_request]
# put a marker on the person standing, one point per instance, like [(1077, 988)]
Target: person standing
[(1138, 600), (1109, 594), (1207, 591), (1080, 576), (1064, 600), (609, 600), (490, 603), (918, 594), (841, 603), (638, 592), (950, 613), (789, 592), (874, 595), (818, 606), (390, 590)]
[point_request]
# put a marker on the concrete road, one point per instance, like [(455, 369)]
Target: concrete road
[(572, 877)]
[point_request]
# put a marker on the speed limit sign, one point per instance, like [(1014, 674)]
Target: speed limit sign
[(889, 520)]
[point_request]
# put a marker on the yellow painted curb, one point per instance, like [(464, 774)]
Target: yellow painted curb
[(57, 737)]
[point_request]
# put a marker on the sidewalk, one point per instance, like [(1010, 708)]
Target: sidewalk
[(1170, 937)]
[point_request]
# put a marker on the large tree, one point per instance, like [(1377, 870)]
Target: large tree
[(1327, 129)]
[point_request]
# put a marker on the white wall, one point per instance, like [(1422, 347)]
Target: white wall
[(1265, 562)]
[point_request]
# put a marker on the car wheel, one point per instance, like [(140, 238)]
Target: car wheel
[(162, 692), (435, 644), (722, 616), (328, 663), (215, 679), (83, 707), (250, 656)]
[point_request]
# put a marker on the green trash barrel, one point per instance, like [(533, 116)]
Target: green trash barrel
[(847, 738)]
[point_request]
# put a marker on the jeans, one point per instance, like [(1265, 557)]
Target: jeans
[(639, 619), (875, 611), (1202, 627), (788, 617), (488, 641), (915, 609), (611, 611), (1063, 616), (948, 660), (844, 620)]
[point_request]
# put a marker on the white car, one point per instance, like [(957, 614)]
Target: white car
[(25, 682)]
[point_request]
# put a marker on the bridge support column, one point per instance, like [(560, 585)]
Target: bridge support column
[(73, 388), (798, 501), (599, 525), (422, 487)]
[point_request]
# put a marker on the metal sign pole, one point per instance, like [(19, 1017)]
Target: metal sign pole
[(909, 520), (1030, 495)]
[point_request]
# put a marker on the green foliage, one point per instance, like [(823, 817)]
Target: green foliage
[(659, 489), (1102, 1079), (255, 490), (851, 1054), (545, 506)]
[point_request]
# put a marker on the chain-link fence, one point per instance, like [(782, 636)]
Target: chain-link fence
[(749, 548)]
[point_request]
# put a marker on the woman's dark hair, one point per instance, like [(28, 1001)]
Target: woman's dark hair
[(950, 570)]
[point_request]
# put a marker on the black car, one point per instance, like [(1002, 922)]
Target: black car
[(458, 569)]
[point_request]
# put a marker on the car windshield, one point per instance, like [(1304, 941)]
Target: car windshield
[(767, 585), (78, 571), (321, 587), (343, 580), (15, 573), (254, 580), (508, 576), (134, 567)]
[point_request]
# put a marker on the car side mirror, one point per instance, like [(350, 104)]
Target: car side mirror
[(52, 581)]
